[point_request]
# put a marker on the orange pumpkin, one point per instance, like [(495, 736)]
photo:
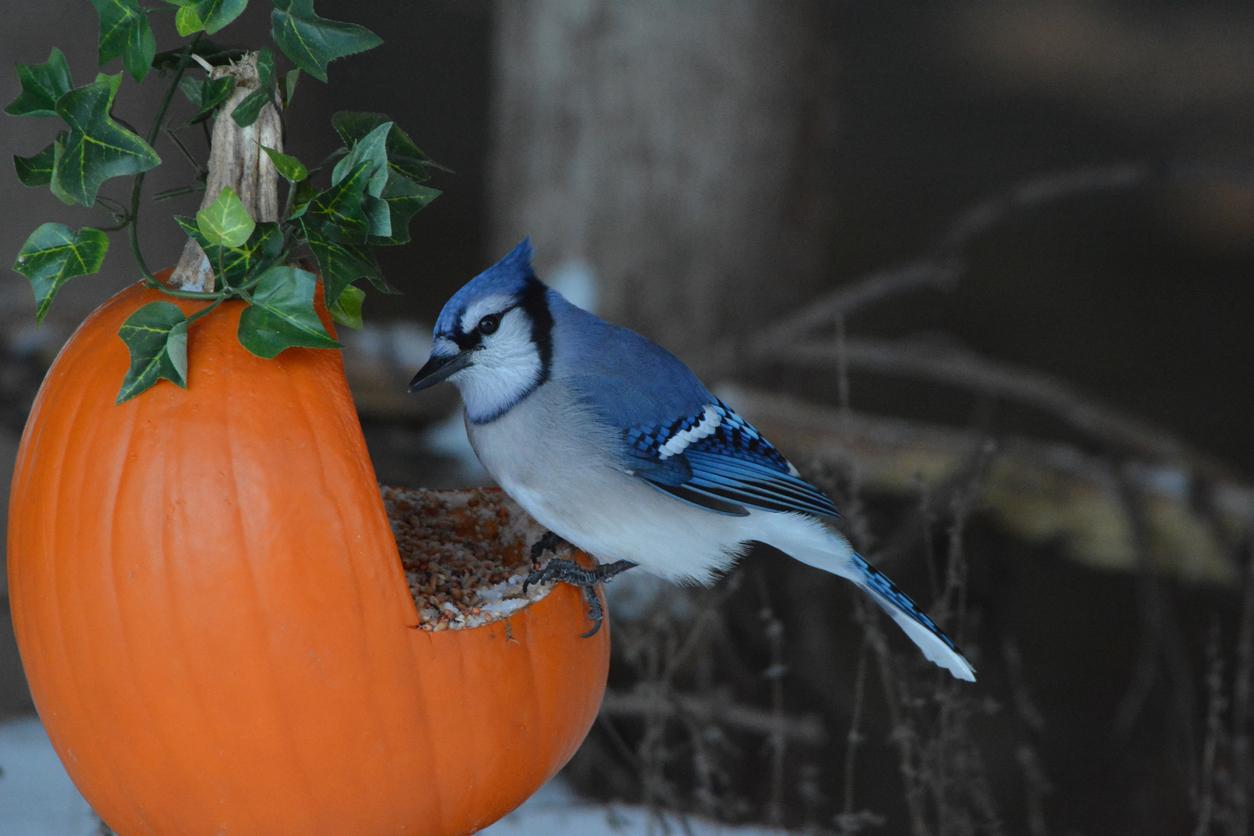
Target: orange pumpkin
[(216, 627)]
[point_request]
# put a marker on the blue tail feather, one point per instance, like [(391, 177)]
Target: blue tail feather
[(888, 594)]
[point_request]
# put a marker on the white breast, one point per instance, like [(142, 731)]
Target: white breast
[(553, 460)]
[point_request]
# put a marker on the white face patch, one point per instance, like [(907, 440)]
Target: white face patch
[(481, 308), (443, 347), (505, 369), (677, 443)]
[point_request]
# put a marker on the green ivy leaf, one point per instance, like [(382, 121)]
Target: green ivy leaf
[(404, 199), (265, 67), (54, 186), (404, 156), (381, 284), (290, 79), (282, 314), (209, 15), (289, 168), (371, 149), (347, 309), (156, 335), (341, 208), (306, 191), (42, 84), (53, 255), (113, 80), (124, 31), (225, 222), (206, 93), (247, 111), (187, 20), (97, 147), (311, 41), (340, 263), (395, 162), (233, 266), (37, 170)]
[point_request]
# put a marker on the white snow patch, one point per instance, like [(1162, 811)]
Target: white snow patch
[(37, 798), (556, 809)]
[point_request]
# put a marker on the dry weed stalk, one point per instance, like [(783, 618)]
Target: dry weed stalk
[(1225, 781)]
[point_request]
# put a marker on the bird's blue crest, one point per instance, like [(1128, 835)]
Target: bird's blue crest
[(509, 276)]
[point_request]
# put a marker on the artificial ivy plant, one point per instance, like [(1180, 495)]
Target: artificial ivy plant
[(253, 247)]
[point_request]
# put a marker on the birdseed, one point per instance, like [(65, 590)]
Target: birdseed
[(465, 554)]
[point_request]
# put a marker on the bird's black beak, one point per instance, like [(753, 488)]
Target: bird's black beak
[(438, 369)]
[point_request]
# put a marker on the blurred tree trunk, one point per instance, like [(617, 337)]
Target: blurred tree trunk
[(683, 150)]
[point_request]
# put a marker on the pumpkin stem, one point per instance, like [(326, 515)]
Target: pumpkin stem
[(236, 160)]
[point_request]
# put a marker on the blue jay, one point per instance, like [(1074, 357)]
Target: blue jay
[(613, 445)]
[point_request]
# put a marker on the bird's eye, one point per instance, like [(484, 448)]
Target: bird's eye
[(489, 324)]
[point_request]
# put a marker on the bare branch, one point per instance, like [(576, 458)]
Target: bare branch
[(968, 370), (861, 293), (1034, 193), (942, 264), (1043, 492)]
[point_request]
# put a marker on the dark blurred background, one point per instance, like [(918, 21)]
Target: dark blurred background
[(983, 270)]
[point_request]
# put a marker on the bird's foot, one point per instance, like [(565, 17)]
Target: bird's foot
[(550, 542), (568, 571)]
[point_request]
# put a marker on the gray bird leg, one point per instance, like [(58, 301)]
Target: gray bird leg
[(550, 542), (568, 571)]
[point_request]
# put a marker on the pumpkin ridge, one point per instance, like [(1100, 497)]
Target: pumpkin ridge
[(350, 425), (426, 650), (523, 633), (57, 613), (533, 688), (65, 611), (256, 605), (113, 493), (366, 655), (478, 737), (174, 621), (543, 717)]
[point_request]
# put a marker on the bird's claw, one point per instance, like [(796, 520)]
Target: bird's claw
[(596, 613), (568, 571), (549, 542)]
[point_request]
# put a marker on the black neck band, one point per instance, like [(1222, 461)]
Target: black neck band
[(536, 303)]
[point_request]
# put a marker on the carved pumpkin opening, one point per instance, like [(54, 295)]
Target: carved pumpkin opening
[(465, 554)]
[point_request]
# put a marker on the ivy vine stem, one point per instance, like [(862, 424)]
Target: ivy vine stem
[(207, 309), (178, 191), (119, 224), (137, 185)]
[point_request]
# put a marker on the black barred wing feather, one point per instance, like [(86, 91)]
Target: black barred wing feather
[(716, 459)]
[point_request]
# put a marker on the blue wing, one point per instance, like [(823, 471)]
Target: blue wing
[(675, 434), (719, 461)]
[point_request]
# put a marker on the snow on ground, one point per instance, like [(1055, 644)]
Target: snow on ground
[(36, 796), (555, 809), (37, 799)]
